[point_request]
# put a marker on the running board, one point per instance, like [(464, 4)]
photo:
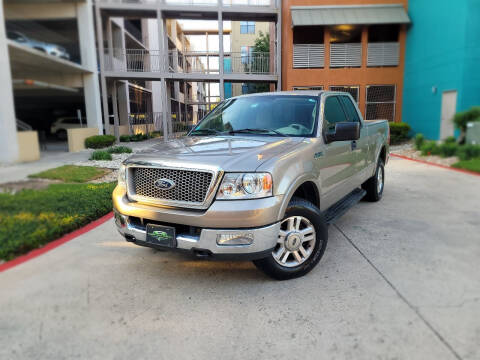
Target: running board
[(341, 207)]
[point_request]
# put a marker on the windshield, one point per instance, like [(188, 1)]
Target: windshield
[(276, 115)]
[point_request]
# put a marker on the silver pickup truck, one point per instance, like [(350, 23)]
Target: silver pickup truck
[(259, 178)]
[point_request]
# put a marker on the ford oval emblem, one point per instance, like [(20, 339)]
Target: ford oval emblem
[(164, 184)]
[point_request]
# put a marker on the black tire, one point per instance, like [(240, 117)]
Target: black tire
[(374, 192), (299, 207)]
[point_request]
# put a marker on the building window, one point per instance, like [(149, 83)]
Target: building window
[(246, 54), (247, 27), (245, 89), (308, 47), (383, 45), (345, 46), (352, 90), (380, 102), (319, 87)]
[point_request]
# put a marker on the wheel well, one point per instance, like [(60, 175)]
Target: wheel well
[(383, 154), (308, 191)]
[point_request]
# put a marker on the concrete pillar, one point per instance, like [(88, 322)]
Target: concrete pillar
[(220, 55), (91, 87), (116, 131), (103, 80), (123, 102), (8, 128), (278, 37)]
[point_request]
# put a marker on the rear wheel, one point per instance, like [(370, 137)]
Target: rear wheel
[(374, 186), (301, 242)]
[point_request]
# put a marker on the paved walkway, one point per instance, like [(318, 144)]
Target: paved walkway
[(399, 280)]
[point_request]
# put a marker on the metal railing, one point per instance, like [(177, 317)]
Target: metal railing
[(267, 3), (141, 60), (383, 54), (252, 63)]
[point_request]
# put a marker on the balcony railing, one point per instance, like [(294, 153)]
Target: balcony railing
[(346, 55), (383, 54), (141, 60), (308, 56), (267, 3)]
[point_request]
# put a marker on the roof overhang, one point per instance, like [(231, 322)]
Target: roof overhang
[(349, 14)]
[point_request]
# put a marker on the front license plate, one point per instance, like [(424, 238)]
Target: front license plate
[(161, 235)]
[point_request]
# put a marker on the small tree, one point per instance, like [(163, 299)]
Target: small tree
[(261, 60), (462, 118)]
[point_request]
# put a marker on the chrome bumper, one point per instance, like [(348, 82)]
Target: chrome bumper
[(264, 238)]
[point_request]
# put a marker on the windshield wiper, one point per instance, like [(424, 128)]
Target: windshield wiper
[(256, 131), (205, 131)]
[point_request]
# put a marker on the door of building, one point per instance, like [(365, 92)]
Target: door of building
[(449, 108)]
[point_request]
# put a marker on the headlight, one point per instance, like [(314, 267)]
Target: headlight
[(122, 170), (237, 186)]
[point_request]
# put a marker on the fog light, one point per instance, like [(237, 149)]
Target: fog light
[(235, 239)]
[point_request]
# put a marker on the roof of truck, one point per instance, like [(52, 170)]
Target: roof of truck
[(293, 92)]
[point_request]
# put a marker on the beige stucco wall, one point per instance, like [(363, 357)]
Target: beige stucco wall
[(76, 138), (28, 146), (122, 130)]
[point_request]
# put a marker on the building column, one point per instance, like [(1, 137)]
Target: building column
[(9, 151), (278, 37), (220, 55), (103, 80), (326, 60), (91, 87), (362, 96), (116, 129), (123, 100)]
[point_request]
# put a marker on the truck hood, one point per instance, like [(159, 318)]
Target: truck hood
[(230, 153)]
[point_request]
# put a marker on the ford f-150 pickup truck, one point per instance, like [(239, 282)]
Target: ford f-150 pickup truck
[(259, 178)]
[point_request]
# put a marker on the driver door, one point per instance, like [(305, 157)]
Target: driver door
[(338, 161)]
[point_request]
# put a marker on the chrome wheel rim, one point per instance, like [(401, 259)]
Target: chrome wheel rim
[(296, 241), (380, 180)]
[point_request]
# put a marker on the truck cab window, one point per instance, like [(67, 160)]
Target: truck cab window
[(350, 109), (333, 113)]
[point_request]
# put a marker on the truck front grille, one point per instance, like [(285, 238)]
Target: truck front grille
[(191, 186)]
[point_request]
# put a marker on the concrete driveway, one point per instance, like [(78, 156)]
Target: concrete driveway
[(400, 280)]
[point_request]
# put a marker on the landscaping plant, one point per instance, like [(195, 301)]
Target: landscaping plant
[(119, 150), (99, 141), (462, 118), (32, 218), (100, 155), (419, 140), (399, 132)]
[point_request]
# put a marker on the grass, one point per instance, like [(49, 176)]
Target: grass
[(32, 218), (472, 165), (71, 173)]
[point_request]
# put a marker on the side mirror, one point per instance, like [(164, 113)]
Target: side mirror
[(344, 131)]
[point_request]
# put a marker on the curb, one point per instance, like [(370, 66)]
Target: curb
[(437, 165), (55, 243)]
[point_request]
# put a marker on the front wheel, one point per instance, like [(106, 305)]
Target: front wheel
[(301, 242)]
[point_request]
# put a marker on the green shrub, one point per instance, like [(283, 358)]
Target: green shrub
[(419, 140), (448, 149), (100, 155), (119, 150), (32, 218), (467, 152), (99, 141), (462, 118), (450, 140), (430, 148), (138, 137), (399, 132), (71, 173), (124, 138)]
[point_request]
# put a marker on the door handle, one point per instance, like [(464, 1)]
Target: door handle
[(354, 144)]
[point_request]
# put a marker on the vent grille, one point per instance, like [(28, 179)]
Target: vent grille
[(346, 55), (190, 186), (383, 54), (308, 55)]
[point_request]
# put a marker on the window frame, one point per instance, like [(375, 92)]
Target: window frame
[(246, 27)]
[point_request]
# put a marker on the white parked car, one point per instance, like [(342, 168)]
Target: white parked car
[(61, 125), (51, 49)]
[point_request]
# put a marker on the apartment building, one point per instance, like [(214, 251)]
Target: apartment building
[(441, 65), (356, 46), (242, 41)]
